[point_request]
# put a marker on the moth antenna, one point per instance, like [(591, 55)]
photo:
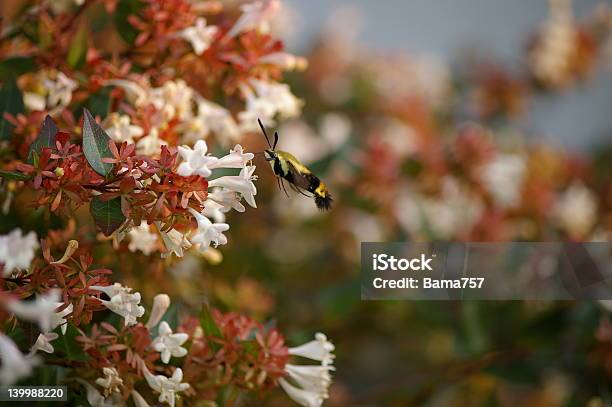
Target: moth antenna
[(263, 129), (275, 140)]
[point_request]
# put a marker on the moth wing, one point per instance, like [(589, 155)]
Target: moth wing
[(300, 179)]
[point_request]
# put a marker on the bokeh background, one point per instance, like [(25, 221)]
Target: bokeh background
[(426, 353)]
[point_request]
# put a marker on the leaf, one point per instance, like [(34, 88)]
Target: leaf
[(15, 66), (99, 102), (10, 102), (68, 345), (17, 176), (77, 54), (124, 9), (46, 138), (107, 214), (208, 324), (95, 145)]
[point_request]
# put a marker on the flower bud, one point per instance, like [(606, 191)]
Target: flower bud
[(161, 303)]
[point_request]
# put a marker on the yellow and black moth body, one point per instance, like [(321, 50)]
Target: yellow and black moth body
[(299, 177)]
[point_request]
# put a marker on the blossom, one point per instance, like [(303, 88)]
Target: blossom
[(285, 61), (95, 399), (59, 90), (173, 100), (17, 251), (43, 343), (318, 349), (236, 158), (576, 210), (15, 365), (311, 381), (226, 199), (503, 178), (175, 242), (41, 310), (141, 238), (122, 302), (242, 183), (255, 15), (166, 387), (266, 99), (200, 36), (208, 232), (111, 380), (150, 144), (168, 343), (161, 303), (196, 161), (119, 129)]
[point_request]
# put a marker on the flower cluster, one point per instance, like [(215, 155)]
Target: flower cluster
[(138, 100), (133, 359)]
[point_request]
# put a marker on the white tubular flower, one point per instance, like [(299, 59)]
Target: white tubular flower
[(236, 158), (43, 343), (302, 397), (168, 343), (166, 387), (15, 366), (175, 242), (141, 238), (214, 210), (122, 302), (285, 61), (208, 232), (227, 199), (503, 178), (110, 381), (318, 349), (199, 36), (255, 15), (218, 119), (41, 310), (59, 318), (119, 128), (150, 144), (17, 251), (266, 101), (60, 90), (139, 401), (243, 184), (196, 161), (161, 303), (173, 100), (311, 383), (95, 399)]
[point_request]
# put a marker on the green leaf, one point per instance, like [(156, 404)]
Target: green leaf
[(77, 54), (17, 176), (107, 214), (10, 102), (46, 138), (95, 145), (208, 324), (125, 8), (100, 102), (68, 345), (15, 66)]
